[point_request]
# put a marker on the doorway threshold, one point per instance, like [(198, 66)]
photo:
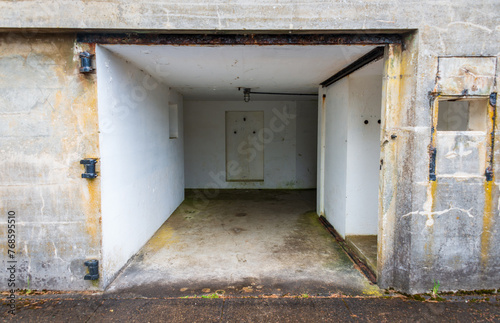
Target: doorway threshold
[(365, 246)]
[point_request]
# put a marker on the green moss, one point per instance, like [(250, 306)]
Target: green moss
[(476, 292), (419, 298), (486, 291), (214, 295), (310, 218)]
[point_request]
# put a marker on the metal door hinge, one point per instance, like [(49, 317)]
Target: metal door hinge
[(90, 169), (86, 65), (93, 266)]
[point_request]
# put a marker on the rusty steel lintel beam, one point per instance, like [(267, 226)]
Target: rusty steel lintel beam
[(366, 59), (239, 39)]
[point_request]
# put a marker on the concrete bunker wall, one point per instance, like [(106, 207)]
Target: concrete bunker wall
[(458, 221), (454, 28), (48, 123)]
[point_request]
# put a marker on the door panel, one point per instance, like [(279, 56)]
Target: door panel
[(244, 150)]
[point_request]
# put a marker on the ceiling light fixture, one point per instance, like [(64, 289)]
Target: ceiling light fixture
[(246, 94)]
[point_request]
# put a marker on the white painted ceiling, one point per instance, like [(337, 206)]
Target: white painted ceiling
[(216, 72)]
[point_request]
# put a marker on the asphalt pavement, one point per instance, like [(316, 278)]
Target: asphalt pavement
[(85, 307)]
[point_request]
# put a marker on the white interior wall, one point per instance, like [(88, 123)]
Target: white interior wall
[(363, 150), (335, 177), (141, 168), (306, 144), (289, 158), (352, 151)]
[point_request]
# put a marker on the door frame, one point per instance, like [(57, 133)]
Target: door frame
[(393, 83)]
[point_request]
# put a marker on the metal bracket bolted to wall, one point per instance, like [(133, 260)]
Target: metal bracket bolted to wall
[(86, 62), (489, 174), (93, 266), (432, 165), (493, 114), (90, 169)]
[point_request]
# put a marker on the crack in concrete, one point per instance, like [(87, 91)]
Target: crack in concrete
[(222, 309), (93, 313)]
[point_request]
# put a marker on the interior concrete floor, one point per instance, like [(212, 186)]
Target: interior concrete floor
[(251, 242), (365, 246)]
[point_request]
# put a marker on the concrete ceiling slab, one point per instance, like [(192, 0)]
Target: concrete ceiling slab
[(216, 72)]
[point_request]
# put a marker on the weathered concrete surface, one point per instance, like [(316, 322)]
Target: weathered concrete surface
[(341, 309), (452, 245), (466, 75), (455, 227), (48, 123), (444, 28), (366, 248), (248, 242), (394, 243), (410, 211), (229, 15)]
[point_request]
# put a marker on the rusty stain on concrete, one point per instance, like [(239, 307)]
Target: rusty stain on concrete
[(165, 237), (489, 188), (429, 207), (487, 224)]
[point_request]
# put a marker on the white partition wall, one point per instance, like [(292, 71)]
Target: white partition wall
[(335, 153), (142, 163), (349, 131), (285, 147), (363, 152)]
